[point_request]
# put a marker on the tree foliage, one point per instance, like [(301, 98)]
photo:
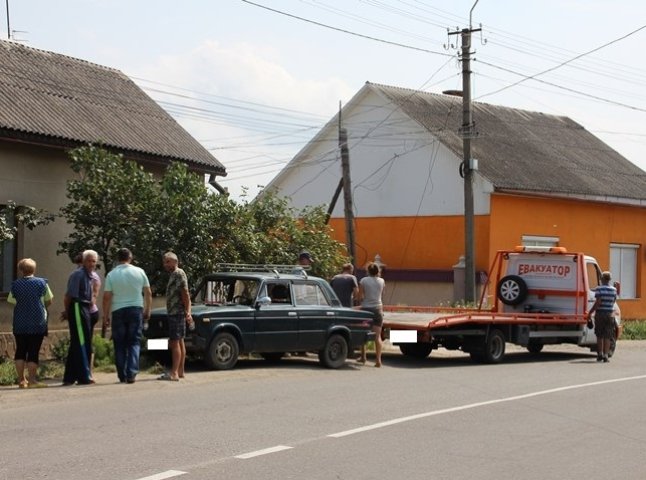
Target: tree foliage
[(29, 217), (114, 203)]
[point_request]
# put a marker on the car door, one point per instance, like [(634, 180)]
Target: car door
[(276, 324), (315, 314), (593, 273)]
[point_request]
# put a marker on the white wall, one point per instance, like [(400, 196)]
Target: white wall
[(397, 167)]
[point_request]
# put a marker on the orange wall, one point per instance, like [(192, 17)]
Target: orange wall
[(415, 242), (588, 227), (438, 242)]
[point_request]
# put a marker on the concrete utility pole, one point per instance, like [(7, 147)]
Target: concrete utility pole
[(347, 193), (467, 131)]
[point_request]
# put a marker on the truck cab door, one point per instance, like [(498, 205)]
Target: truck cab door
[(594, 280)]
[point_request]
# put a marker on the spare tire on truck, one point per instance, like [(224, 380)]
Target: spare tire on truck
[(511, 290)]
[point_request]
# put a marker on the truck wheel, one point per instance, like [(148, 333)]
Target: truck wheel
[(535, 347), (512, 290), (416, 350), (335, 352), (494, 349), (223, 351)]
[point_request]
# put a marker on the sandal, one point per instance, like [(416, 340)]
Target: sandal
[(168, 378), (23, 384)]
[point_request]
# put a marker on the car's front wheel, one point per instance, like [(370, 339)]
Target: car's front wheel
[(335, 352), (223, 352)]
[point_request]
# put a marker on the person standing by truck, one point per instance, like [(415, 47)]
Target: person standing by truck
[(371, 290), (604, 321)]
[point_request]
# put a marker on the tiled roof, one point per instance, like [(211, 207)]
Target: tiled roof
[(520, 150), (56, 98)]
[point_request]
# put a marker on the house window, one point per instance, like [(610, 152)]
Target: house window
[(7, 258), (623, 267), (539, 241)]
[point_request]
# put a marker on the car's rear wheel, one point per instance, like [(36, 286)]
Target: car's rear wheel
[(335, 352), (272, 356), (223, 351), (416, 350)]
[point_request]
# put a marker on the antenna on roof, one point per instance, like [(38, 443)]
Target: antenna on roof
[(13, 36)]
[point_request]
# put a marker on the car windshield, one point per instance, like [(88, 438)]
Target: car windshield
[(227, 291)]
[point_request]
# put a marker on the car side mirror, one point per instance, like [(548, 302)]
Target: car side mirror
[(263, 301)]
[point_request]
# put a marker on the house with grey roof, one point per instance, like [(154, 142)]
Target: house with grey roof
[(50, 103), (541, 180)]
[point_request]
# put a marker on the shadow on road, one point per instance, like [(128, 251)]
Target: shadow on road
[(395, 359)]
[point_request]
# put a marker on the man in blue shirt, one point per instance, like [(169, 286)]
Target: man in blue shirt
[(127, 300), (604, 321)]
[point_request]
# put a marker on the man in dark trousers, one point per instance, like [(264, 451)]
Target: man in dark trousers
[(604, 321), (345, 285), (78, 300)]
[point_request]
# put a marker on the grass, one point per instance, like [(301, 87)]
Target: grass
[(634, 330), (46, 370), (54, 369)]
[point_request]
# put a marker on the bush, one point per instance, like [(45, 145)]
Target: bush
[(8, 375), (103, 351), (60, 349)]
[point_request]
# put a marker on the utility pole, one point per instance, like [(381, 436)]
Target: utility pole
[(347, 190), (467, 132), (347, 193)]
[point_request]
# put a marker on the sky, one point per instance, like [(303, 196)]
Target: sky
[(254, 85)]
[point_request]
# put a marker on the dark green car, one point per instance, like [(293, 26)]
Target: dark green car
[(268, 313)]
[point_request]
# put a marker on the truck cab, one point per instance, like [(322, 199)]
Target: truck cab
[(549, 281)]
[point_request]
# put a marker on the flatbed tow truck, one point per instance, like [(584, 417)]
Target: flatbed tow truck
[(542, 297)]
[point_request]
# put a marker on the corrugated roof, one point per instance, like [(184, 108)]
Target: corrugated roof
[(523, 150), (54, 96)]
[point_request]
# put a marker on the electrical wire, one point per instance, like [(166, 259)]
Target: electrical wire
[(551, 69)]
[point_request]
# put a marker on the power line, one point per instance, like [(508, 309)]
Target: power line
[(368, 37), (596, 97), (531, 77)]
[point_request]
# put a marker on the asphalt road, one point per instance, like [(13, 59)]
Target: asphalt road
[(561, 416)]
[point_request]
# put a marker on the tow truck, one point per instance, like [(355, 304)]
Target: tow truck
[(542, 296)]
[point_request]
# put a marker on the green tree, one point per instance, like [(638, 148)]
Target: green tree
[(282, 232), (115, 203), (112, 204)]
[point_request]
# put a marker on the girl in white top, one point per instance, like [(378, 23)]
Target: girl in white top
[(371, 290)]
